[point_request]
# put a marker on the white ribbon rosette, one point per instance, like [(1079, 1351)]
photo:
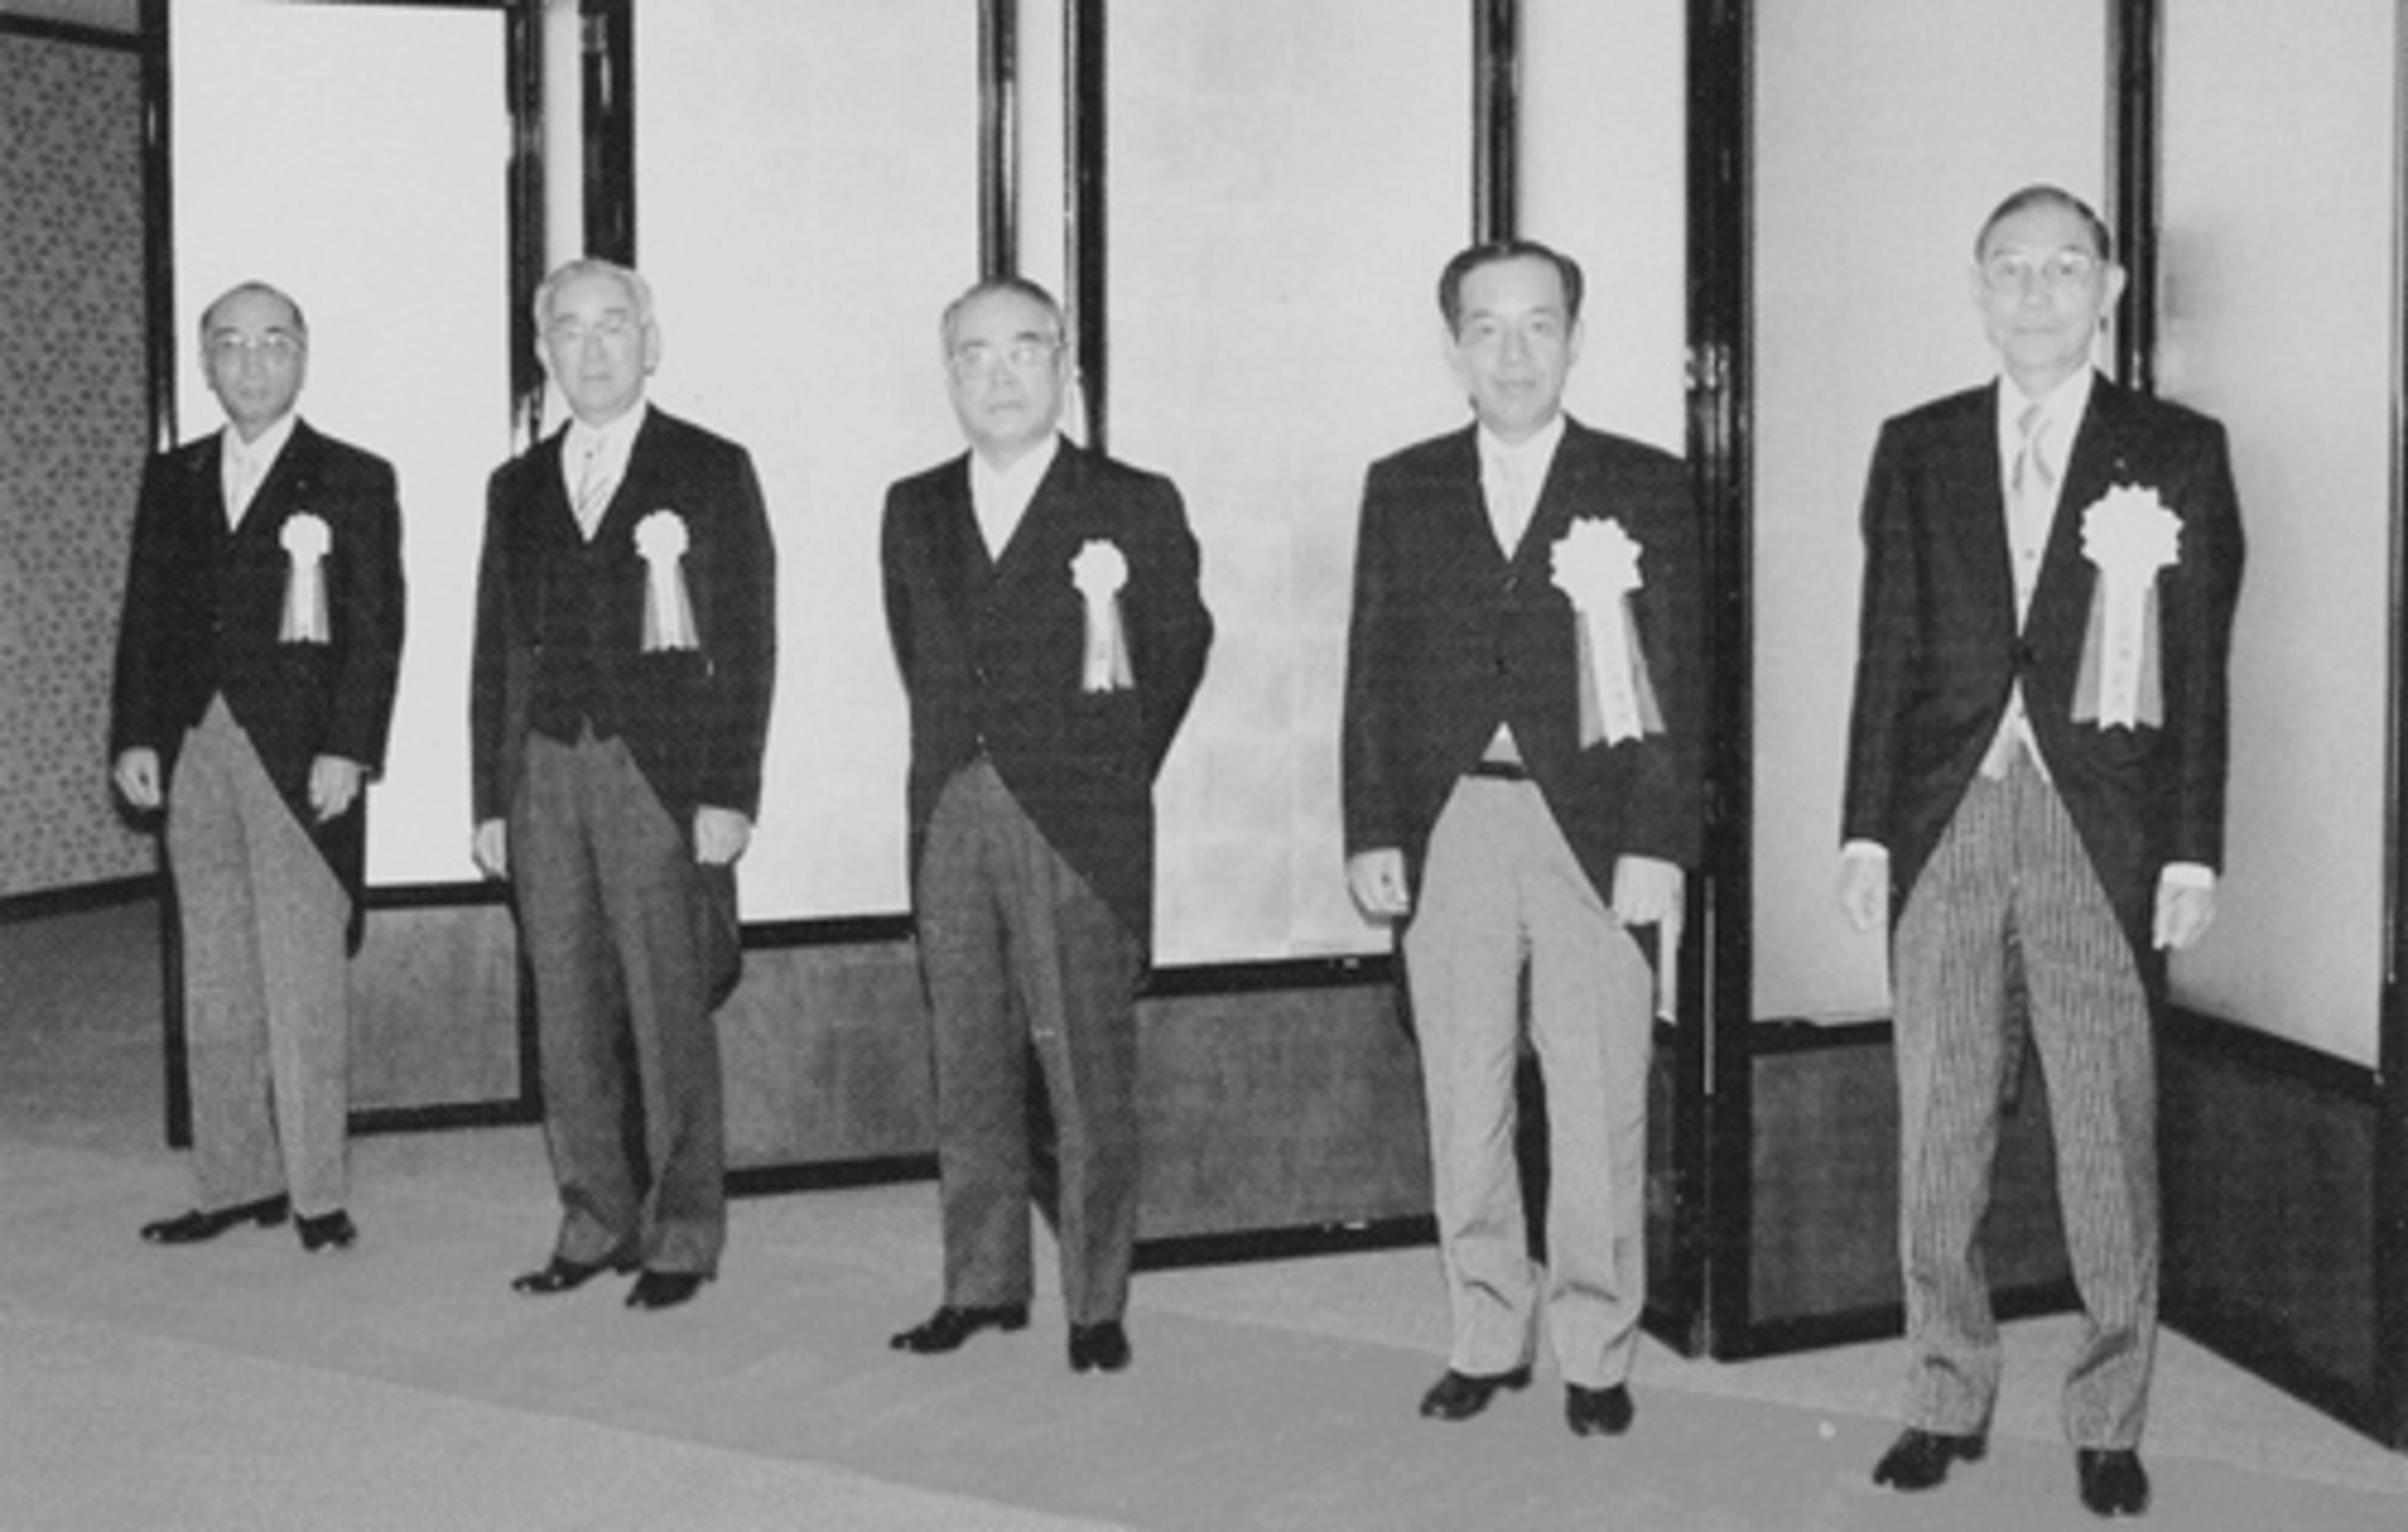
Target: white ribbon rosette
[(668, 615), (1596, 564), (2129, 534), (307, 540), (1098, 572)]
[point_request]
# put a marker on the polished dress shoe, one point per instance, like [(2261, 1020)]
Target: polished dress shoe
[(1919, 1459), (949, 1326), (1460, 1396), (665, 1289), (563, 1275), (327, 1231), (2114, 1483), (193, 1228), (1098, 1347), (1597, 1411)]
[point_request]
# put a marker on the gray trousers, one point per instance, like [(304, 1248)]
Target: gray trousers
[(612, 907), (1502, 888), (266, 982), (1021, 958), (2012, 863)]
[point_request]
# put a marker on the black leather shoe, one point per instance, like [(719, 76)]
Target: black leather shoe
[(1919, 1459), (193, 1228), (2114, 1483), (1099, 1348), (665, 1289), (1597, 1411), (563, 1275), (327, 1231), (949, 1326), (1460, 1396)]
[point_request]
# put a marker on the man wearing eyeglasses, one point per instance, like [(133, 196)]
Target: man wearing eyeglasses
[(256, 662), (2036, 764), (625, 646), (1042, 599)]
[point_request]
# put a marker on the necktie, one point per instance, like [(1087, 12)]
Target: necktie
[(243, 481), (2031, 502), (1506, 512), (592, 493)]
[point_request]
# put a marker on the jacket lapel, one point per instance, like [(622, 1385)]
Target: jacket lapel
[(2101, 459)]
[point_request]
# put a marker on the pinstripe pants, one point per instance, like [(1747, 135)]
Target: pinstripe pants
[(266, 980), (1022, 959), (2012, 863), (612, 909)]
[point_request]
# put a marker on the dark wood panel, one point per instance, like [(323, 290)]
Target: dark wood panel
[(1823, 1239), (2269, 1227)]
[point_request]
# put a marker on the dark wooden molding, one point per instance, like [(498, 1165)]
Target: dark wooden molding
[(524, 198), (609, 74), (2135, 88), (43, 29), (40, 904), (2391, 1121), (1084, 66), (159, 225), (1715, 1134), (998, 146), (1496, 120)]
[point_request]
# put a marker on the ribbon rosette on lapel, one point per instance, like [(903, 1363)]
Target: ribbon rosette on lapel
[(2129, 535), (1596, 565), (307, 540), (668, 615), (1098, 572)]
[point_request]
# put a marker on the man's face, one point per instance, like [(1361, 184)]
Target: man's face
[(597, 346), (2043, 290), (1513, 345), (257, 355), (1007, 373)]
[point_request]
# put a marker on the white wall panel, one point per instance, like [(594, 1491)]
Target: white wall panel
[(2281, 311), (1285, 181)]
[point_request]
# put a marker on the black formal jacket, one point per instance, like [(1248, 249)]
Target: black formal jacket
[(991, 651), (205, 606), (1450, 638), (560, 624), (1939, 650)]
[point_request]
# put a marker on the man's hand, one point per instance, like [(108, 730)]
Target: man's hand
[(334, 783), (490, 848), (1864, 890), (2184, 912), (1377, 880), (137, 777), (1646, 891), (719, 836)]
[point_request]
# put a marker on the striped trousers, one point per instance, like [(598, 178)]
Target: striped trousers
[(2011, 867)]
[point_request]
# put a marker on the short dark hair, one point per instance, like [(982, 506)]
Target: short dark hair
[(1450, 282), (261, 289), (2044, 195), (1009, 283)]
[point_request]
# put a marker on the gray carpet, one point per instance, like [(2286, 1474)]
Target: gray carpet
[(241, 1385)]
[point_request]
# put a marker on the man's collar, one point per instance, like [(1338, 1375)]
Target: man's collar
[(1538, 445)]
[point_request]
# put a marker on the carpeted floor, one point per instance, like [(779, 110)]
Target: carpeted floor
[(241, 1385)]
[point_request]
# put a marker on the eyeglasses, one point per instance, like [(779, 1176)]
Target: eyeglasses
[(568, 334), (978, 358), (2014, 271), (229, 346)]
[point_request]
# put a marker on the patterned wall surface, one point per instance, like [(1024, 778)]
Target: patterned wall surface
[(73, 432)]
